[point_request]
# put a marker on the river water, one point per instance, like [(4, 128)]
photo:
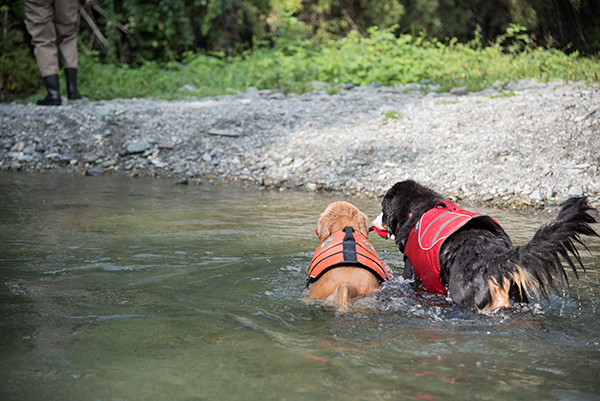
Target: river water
[(131, 289)]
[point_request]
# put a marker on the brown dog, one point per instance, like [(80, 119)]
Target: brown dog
[(345, 265)]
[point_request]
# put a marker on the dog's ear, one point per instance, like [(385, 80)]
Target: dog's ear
[(323, 228), (363, 223)]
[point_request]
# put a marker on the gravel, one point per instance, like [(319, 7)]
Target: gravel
[(521, 144)]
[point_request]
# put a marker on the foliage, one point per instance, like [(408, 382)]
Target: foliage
[(502, 94), (163, 30), (516, 37), (18, 69), (157, 47), (556, 23), (381, 57), (392, 114), (335, 18)]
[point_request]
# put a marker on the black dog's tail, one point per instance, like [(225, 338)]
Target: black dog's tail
[(539, 262)]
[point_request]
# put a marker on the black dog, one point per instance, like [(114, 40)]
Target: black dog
[(470, 257)]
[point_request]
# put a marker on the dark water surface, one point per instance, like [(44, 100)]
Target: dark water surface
[(131, 289)]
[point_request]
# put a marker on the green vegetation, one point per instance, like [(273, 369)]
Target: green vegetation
[(291, 67), (393, 115), (502, 94), (181, 48), (18, 69)]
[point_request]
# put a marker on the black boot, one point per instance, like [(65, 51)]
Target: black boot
[(53, 88), (71, 74)]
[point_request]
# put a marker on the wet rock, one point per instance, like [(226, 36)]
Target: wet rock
[(90, 157), (19, 147), (536, 195), (459, 91), (311, 187), (96, 170), (276, 96), (139, 147), (158, 163), (320, 85), (29, 149), (223, 132), (575, 191), (412, 87), (66, 158), (263, 125), (6, 144), (187, 88)]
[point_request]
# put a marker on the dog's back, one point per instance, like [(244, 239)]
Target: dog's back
[(479, 266), (340, 284)]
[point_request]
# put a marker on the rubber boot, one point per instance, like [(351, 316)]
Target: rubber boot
[(53, 88), (72, 92)]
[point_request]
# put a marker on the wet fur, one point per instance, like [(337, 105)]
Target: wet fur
[(343, 283), (480, 268)]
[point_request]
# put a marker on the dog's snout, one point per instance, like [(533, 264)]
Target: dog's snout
[(380, 228)]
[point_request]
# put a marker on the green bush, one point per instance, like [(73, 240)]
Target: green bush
[(18, 69), (209, 46), (292, 65)]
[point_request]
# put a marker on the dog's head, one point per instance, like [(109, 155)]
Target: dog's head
[(339, 215), (403, 205)]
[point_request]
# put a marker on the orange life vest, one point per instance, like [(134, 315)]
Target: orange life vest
[(349, 248)]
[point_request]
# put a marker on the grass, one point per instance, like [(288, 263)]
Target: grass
[(291, 66), (393, 115), (502, 94)]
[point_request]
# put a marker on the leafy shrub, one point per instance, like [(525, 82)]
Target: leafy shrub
[(291, 66), (18, 69), (213, 45)]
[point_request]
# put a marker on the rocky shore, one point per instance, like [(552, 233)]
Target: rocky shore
[(522, 144)]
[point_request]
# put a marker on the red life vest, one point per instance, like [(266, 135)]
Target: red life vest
[(428, 235), (349, 248)]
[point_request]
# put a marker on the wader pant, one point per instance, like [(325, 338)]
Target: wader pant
[(51, 24)]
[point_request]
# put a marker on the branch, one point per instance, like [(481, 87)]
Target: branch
[(93, 25), (104, 13), (351, 21)]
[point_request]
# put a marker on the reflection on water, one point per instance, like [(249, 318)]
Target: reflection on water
[(125, 289)]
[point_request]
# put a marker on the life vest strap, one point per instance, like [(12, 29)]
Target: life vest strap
[(349, 246)]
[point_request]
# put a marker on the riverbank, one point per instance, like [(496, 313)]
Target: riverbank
[(523, 144)]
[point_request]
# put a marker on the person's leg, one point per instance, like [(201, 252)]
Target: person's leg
[(39, 21), (65, 20)]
